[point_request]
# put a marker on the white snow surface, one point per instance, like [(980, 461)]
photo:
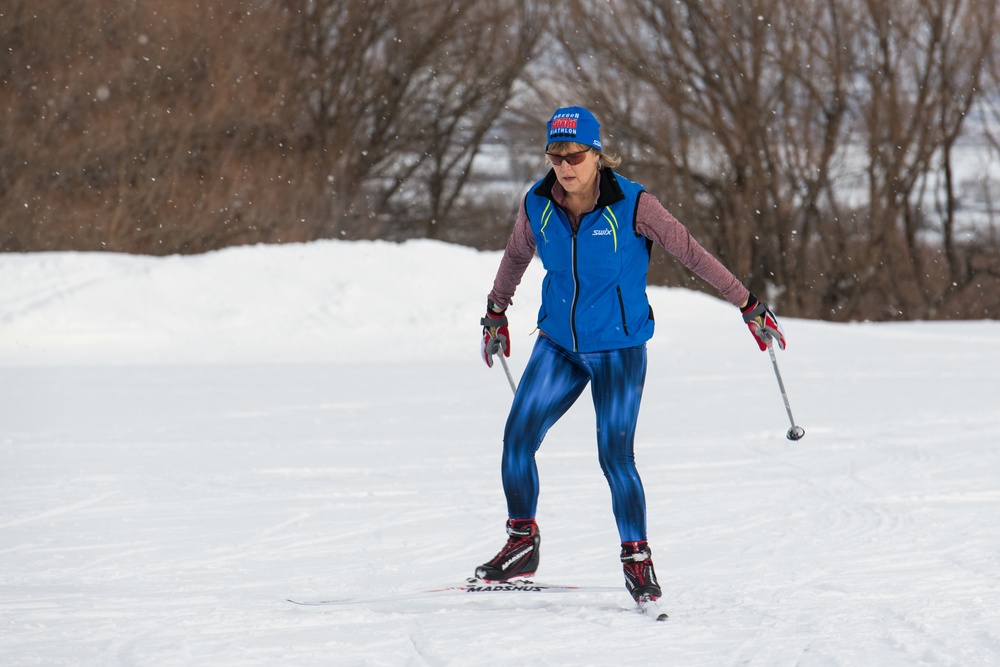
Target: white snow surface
[(185, 442)]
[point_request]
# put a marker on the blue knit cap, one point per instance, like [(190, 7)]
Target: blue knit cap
[(574, 124)]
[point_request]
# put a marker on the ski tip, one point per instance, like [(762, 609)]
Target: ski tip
[(649, 607), (655, 613), (317, 603), (301, 603)]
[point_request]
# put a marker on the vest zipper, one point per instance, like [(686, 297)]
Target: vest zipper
[(576, 276), (576, 289)]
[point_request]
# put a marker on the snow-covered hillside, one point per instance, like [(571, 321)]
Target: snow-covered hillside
[(187, 442)]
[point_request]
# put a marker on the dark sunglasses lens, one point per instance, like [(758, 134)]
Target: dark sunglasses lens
[(573, 158)]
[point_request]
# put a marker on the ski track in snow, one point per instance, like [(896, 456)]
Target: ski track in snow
[(187, 442)]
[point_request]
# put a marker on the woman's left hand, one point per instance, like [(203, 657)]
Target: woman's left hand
[(762, 323)]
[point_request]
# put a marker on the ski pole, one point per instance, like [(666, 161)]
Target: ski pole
[(795, 432), (506, 369)]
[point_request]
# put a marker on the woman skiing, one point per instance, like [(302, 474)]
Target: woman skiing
[(593, 230)]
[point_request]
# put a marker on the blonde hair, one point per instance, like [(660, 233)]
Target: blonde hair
[(604, 160)]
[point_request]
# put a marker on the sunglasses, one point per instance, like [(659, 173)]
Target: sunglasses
[(573, 158)]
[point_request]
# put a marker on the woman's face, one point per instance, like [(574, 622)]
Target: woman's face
[(576, 179)]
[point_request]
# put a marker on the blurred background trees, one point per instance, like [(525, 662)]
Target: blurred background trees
[(142, 127), (841, 156)]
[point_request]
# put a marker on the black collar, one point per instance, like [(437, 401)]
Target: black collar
[(610, 191)]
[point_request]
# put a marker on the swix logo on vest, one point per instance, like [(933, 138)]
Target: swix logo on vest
[(602, 232), (565, 124)]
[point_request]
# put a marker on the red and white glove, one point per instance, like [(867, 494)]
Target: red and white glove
[(496, 337), (762, 323)]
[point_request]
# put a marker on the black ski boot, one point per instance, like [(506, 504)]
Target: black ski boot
[(519, 557), (640, 579)]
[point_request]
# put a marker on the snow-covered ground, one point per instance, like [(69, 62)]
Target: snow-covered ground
[(187, 442)]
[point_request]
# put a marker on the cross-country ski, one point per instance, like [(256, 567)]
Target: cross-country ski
[(645, 605), (471, 585)]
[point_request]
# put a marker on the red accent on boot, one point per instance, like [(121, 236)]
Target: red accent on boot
[(519, 557), (640, 577)]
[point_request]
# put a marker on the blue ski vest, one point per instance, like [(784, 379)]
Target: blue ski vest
[(594, 292)]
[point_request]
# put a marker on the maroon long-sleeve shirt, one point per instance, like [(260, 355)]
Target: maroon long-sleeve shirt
[(651, 220)]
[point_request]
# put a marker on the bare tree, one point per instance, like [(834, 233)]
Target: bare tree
[(729, 115), (194, 125), (813, 145), (139, 127), (924, 76), (799, 139), (399, 96)]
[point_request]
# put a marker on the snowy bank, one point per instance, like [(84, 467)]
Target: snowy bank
[(188, 441)]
